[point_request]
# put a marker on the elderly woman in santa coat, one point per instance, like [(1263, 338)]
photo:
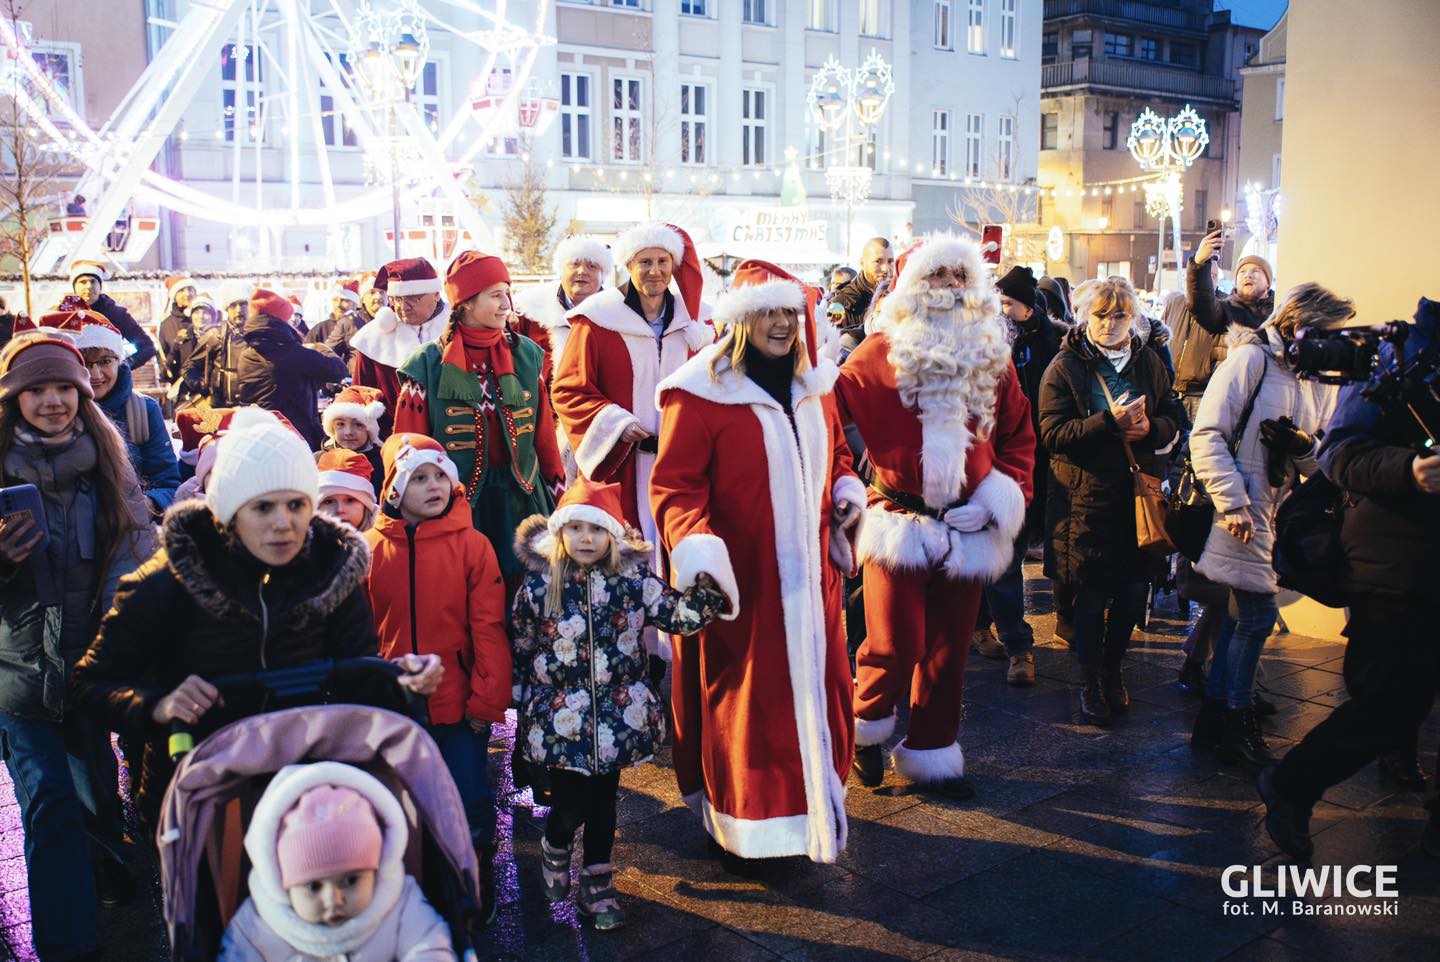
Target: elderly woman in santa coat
[(753, 485)]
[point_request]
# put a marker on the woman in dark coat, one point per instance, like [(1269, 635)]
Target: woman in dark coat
[(1092, 525), (279, 373), (250, 579)]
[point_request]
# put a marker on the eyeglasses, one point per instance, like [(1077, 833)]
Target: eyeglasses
[(1117, 316)]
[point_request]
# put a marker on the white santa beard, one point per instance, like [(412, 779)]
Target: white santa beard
[(949, 366)]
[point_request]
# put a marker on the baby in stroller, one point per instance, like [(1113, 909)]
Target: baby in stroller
[(327, 844)]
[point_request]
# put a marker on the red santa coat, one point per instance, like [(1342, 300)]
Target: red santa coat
[(383, 345), (606, 381), (942, 463), (763, 724)]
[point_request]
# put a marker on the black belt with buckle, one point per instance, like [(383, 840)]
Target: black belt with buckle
[(912, 503)]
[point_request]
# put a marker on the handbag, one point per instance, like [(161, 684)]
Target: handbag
[(1309, 556), (1192, 513), (1151, 504)]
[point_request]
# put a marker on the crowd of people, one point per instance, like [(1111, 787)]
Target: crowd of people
[(805, 506)]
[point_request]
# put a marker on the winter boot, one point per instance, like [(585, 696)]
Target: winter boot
[(554, 871), (985, 641), (485, 854), (1241, 742), (1209, 725), (1192, 678), (598, 898), (1092, 697), (869, 765), (1287, 822), (1403, 769), (1115, 694)]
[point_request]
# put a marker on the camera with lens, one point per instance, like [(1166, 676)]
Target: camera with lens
[(1344, 355)]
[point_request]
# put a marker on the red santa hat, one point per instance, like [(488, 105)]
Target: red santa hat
[(934, 251), (95, 269), (472, 272), (176, 283), (758, 286), (271, 305), (587, 500), (674, 241), (296, 305), (200, 425), (349, 290), (408, 276), (578, 247), (404, 454), (347, 472), (364, 404), (90, 329)]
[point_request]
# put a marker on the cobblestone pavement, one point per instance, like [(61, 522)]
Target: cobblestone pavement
[(1081, 843)]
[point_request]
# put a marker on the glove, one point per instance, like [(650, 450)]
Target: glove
[(968, 518), (1283, 437)]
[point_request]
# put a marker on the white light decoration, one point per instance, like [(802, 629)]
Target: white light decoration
[(847, 103), (1168, 148)]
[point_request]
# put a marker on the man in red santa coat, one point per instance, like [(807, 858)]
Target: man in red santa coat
[(936, 398), (623, 342), (583, 265), (753, 486), (416, 315)]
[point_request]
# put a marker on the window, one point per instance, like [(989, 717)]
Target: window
[(1118, 44), (632, 4), (974, 138), (1050, 45), (1081, 45), (627, 119), (817, 143), (575, 116), (693, 122), (865, 150), (429, 98), (1182, 54), (1249, 51), (1007, 29), (940, 143), (1279, 98), (59, 63), (975, 28), (943, 13), (1049, 131), (695, 8), (1005, 152), (333, 128), (1149, 48), (1202, 207), (240, 91), (752, 132), (1138, 213), (499, 82), (818, 15), (754, 11), (1112, 130), (870, 21)]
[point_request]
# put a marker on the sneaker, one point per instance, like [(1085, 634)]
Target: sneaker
[(986, 643), (869, 765), (1287, 823), (1022, 670)]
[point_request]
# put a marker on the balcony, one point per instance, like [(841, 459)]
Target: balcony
[(1132, 10), (1135, 78)]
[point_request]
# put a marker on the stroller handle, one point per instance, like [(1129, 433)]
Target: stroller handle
[(307, 679)]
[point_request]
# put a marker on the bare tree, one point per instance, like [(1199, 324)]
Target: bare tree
[(1013, 209), (529, 224)]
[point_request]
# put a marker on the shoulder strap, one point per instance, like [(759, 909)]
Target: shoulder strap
[(137, 418), (1249, 407), (1110, 399)]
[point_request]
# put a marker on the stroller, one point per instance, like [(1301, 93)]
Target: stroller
[(208, 804)]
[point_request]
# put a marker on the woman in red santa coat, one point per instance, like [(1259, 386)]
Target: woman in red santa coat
[(753, 486), (935, 397)]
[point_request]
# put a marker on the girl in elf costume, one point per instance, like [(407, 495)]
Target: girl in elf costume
[(478, 391)]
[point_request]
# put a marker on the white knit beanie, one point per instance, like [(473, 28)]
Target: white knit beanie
[(258, 455)]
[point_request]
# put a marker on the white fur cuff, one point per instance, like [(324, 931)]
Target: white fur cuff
[(602, 436), (1001, 495), (848, 487), (697, 553), (928, 765), (876, 732)]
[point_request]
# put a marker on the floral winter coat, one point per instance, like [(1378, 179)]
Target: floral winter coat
[(581, 679)]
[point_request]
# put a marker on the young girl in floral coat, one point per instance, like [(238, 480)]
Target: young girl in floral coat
[(587, 707)]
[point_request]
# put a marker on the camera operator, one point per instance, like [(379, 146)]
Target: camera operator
[(1391, 538)]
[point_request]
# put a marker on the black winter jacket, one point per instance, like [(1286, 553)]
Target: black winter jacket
[(855, 296), (1092, 522), (178, 340), (280, 373), (129, 328), (1201, 347)]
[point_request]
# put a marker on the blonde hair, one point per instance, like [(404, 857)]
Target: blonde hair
[(562, 566), (1310, 305), (1104, 296), (736, 339)]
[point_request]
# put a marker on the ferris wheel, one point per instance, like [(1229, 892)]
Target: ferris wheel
[(352, 65)]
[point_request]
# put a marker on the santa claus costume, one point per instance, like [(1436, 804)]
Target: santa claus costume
[(614, 360), (935, 396), (382, 345), (752, 466)]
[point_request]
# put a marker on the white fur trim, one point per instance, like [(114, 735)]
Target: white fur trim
[(102, 336), (368, 414), (929, 765), (945, 250), (583, 248), (643, 236), (874, 732), (739, 303), (270, 899), (733, 388), (602, 436), (846, 488), (541, 303), (386, 341), (408, 460), (346, 293), (697, 553), (79, 269), (427, 285), (584, 512), (849, 488), (1003, 498), (778, 837), (333, 482), (944, 445), (901, 541)]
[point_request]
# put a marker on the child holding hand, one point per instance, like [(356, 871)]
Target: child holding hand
[(587, 705)]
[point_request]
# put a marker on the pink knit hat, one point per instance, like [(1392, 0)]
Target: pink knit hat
[(328, 831)]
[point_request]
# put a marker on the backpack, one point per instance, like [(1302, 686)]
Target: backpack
[(1309, 556), (137, 419)]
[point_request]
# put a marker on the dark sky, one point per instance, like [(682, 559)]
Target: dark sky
[(1254, 13)]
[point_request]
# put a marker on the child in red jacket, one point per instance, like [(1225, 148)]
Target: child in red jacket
[(435, 587)]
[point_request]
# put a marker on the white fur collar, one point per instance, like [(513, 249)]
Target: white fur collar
[(271, 901), (607, 309), (386, 341), (732, 387), (540, 303)]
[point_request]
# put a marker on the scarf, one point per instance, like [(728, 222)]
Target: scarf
[(1118, 357), (486, 350)]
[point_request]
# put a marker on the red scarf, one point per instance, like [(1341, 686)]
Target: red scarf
[(485, 347)]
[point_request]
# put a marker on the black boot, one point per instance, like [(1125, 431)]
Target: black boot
[(1209, 724), (488, 903), (1115, 694), (1192, 678), (1241, 742), (1287, 822), (1092, 697), (1403, 769), (113, 883), (1264, 707), (869, 765)]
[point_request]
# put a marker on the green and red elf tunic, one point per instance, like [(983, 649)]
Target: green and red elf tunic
[(479, 392)]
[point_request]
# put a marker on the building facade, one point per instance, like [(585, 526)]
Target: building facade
[(1104, 62), (1262, 122)]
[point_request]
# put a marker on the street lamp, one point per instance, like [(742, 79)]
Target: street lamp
[(847, 103), (390, 49), (1168, 147)]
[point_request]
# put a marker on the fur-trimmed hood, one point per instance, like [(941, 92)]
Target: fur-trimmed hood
[(222, 577), (533, 542)]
